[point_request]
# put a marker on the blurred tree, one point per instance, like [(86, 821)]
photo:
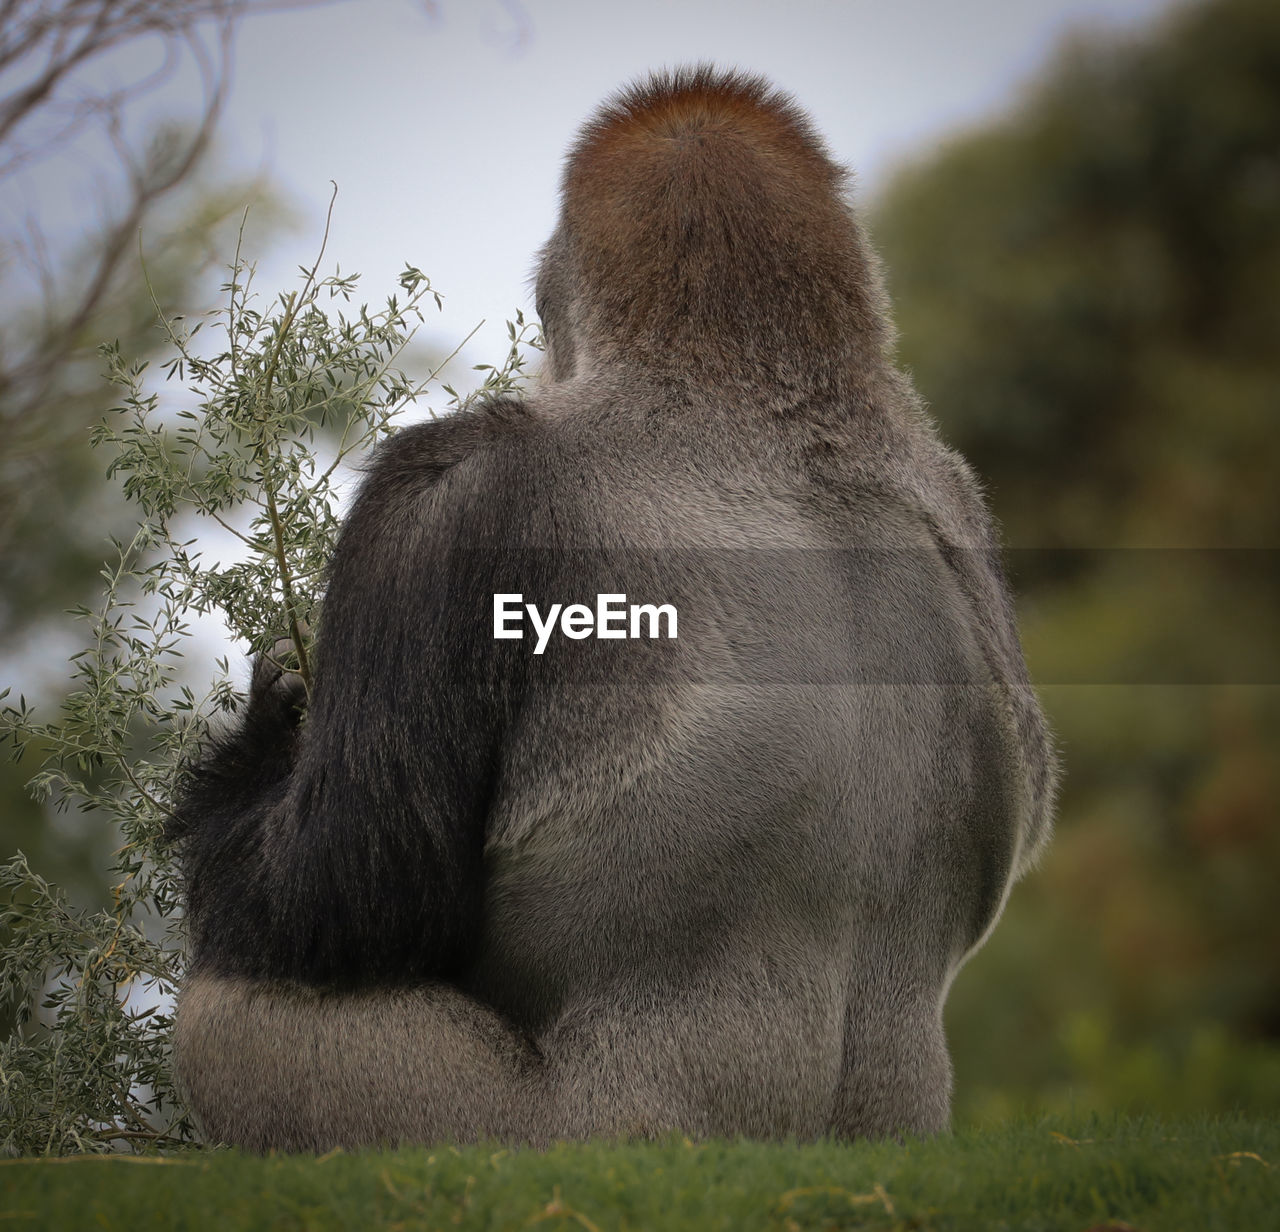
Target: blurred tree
[(1086, 292), (58, 302), (50, 382)]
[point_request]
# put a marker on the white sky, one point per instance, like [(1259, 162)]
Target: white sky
[(445, 133), (444, 122)]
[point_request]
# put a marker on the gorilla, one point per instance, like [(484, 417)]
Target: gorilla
[(716, 883)]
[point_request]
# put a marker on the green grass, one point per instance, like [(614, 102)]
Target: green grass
[(1187, 1175)]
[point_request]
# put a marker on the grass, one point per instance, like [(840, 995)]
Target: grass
[(1116, 1173)]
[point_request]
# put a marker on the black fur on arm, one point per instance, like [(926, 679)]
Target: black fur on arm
[(348, 850), (240, 778)]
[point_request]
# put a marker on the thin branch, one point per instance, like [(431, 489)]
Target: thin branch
[(277, 527), (122, 764), (297, 299), (36, 376)]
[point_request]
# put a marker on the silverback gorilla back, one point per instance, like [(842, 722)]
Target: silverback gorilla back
[(716, 883)]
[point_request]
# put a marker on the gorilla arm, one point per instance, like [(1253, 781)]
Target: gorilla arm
[(347, 850)]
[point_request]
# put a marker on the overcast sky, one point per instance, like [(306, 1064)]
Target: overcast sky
[(444, 122)]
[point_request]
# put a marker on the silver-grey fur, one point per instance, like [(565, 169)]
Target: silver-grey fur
[(727, 881)]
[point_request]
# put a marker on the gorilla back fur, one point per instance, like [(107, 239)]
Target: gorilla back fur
[(719, 884)]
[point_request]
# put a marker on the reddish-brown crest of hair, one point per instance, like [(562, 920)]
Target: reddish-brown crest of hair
[(702, 204), (646, 123)]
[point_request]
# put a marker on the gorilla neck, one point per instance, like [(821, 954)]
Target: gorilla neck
[(727, 363), (798, 328)]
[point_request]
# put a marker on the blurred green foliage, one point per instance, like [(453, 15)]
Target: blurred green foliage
[(57, 513), (1088, 294)]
